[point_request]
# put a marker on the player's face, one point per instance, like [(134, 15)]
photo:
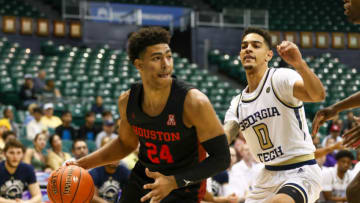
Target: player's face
[(344, 164), (352, 10), (254, 52), (156, 66), (13, 156)]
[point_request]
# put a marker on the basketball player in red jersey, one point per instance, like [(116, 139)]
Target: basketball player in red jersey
[(174, 123), (352, 137)]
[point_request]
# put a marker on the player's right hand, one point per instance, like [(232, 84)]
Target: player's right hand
[(352, 138), (321, 116)]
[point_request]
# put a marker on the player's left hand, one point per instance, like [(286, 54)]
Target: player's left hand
[(290, 53), (352, 138), (160, 188)]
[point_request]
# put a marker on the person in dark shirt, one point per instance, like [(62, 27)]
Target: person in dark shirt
[(89, 130), (39, 81), (66, 131), (174, 123), (109, 180), (16, 176), (27, 92), (98, 107)]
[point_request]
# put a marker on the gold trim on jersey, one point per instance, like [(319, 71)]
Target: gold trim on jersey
[(262, 87), (279, 98), (296, 159)]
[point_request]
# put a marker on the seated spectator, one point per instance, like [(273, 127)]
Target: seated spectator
[(4, 126), (98, 107), (16, 176), (66, 131), (49, 120), (109, 181), (35, 126), (30, 113), (330, 159), (50, 93), (336, 179), (79, 149), (56, 157), (108, 131), (39, 82), (35, 156), (89, 130), (27, 92), (9, 114), (9, 135), (334, 133)]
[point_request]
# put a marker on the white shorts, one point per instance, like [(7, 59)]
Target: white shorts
[(306, 179)]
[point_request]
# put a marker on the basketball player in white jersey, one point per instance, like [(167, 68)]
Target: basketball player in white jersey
[(270, 114)]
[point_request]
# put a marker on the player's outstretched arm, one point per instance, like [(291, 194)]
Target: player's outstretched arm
[(198, 112), (231, 126), (310, 89), (124, 144), (329, 149)]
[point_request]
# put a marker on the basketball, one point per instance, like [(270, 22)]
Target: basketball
[(70, 184)]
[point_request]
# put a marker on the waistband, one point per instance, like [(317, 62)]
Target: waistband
[(296, 162)]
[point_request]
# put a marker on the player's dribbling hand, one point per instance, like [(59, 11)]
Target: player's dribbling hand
[(322, 116), (290, 53), (160, 188), (352, 138)]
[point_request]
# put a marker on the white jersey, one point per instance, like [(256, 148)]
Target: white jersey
[(271, 119)]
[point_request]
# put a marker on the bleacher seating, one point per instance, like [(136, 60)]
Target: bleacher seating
[(315, 15), (19, 8), (339, 80)]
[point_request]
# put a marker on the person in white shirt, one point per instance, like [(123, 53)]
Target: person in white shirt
[(334, 133), (336, 179), (270, 114), (35, 126), (108, 131)]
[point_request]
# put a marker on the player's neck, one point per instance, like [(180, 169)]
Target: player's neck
[(340, 174), (153, 99), (254, 77)]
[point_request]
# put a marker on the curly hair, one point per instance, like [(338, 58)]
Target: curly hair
[(145, 37), (264, 33)]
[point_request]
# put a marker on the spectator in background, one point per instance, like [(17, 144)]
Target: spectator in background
[(4, 127), (238, 145), (30, 113), (108, 131), (35, 156), (66, 131), (337, 121), (109, 180), (50, 92), (16, 176), (334, 133), (56, 157), (330, 159), (107, 116), (39, 81), (79, 149), (49, 120), (9, 114), (9, 135), (336, 179), (89, 130), (27, 92), (98, 107), (348, 122), (35, 126)]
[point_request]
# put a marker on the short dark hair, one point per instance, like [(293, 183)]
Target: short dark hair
[(106, 113), (65, 112), (5, 110), (14, 144), (37, 110), (76, 141), (264, 33), (344, 153), (88, 114), (38, 135), (8, 133), (145, 37)]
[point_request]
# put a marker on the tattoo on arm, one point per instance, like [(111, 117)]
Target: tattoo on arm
[(231, 130)]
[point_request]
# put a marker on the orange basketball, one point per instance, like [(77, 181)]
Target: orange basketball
[(70, 184)]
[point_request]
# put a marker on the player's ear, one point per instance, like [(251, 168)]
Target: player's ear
[(138, 64), (269, 55)]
